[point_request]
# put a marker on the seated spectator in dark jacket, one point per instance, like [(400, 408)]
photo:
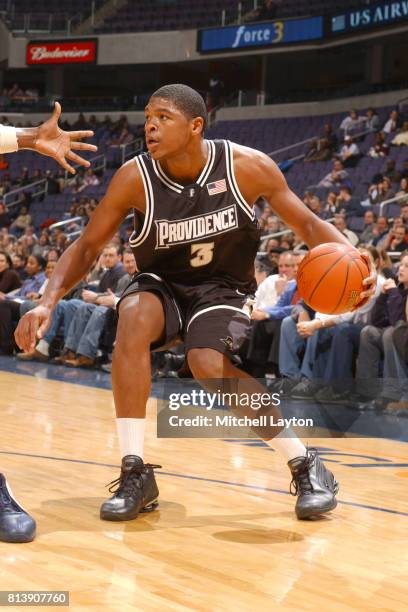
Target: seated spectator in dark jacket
[(4, 217), (19, 265), (380, 148), (10, 303), (376, 343), (9, 279), (348, 205), (381, 192), (330, 137)]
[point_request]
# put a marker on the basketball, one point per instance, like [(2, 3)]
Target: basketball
[(330, 278)]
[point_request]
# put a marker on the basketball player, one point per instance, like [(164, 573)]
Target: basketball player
[(16, 525), (195, 245)]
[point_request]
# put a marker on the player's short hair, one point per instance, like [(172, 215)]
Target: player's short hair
[(187, 100)]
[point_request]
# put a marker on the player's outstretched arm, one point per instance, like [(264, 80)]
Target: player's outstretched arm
[(124, 193), (48, 139), (258, 175)]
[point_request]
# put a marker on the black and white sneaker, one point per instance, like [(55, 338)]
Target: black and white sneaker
[(16, 525), (136, 491), (315, 486)]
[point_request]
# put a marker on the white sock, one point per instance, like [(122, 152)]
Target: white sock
[(288, 444), (43, 347), (131, 436)]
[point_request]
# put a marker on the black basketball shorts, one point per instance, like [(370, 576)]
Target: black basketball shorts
[(210, 315)]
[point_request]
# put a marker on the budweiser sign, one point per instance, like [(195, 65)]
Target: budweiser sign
[(68, 52)]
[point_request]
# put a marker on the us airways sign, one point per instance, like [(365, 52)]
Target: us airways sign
[(373, 16), (66, 52)]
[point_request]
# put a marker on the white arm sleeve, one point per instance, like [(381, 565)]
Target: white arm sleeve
[(8, 139)]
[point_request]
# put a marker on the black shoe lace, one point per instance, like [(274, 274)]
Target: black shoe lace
[(301, 478), (130, 479)]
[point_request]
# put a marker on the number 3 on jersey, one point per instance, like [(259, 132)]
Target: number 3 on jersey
[(202, 253)]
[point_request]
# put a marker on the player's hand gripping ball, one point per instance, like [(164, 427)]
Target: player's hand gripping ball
[(334, 278)]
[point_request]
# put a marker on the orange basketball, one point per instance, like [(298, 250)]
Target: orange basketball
[(330, 278)]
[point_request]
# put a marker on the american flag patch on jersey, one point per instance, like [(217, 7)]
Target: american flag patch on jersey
[(216, 187)]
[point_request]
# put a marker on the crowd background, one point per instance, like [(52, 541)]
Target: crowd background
[(83, 332)]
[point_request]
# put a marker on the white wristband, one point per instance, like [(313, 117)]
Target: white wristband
[(8, 139)]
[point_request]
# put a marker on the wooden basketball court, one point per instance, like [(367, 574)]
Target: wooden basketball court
[(225, 536)]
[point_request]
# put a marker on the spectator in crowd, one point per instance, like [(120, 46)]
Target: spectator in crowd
[(315, 206), (270, 290), (403, 188), (336, 177), (260, 354), (347, 205), (381, 192), (396, 240), (380, 232), (392, 123), (23, 221), (380, 148), (341, 225), (19, 265), (404, 214), (9, 279), (330, 343), (112, 270), (386, 267), (10, 304), (4, 217), (370, 219), (403, 173), (32, 298), (82, 341), (271, 259), (319, 150), (330, 206), (90, 180), (372, 120), (401, 139), (376, 344), (330, 136), (389, 170), (53, 254), (53, 184), (267, 10), (352, 121), (349, 153)]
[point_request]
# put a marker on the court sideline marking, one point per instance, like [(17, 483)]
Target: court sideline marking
[(201, 478)]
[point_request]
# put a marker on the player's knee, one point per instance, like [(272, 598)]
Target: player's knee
[(387, 336), (205, 363), (368, 333), (135, 327)]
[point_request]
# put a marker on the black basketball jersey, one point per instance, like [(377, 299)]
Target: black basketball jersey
[(203, 232)]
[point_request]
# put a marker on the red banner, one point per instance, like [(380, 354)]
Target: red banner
[(69, 52)]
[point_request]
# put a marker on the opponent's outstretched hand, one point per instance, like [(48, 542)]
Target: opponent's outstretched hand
[(31, 327), (57, 143)]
